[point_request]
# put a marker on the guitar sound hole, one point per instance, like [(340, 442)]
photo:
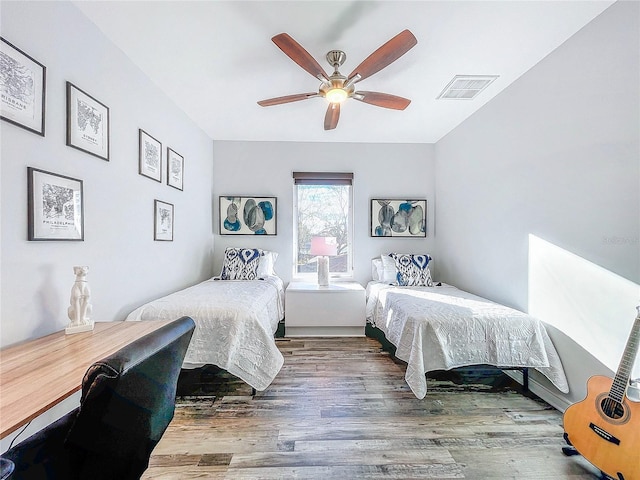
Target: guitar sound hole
[(612, 409)]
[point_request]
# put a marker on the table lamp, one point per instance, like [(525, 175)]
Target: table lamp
[(322, 247)]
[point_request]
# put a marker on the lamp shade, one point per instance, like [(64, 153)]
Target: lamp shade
[(321, 246)]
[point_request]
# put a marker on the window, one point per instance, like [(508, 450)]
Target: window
[(322, 208)]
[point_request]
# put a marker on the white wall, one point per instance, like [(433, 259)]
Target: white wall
[(555, 156), (382, 170), (127, 267)]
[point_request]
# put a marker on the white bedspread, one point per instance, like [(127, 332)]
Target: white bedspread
[(235, 323), (439, 328)]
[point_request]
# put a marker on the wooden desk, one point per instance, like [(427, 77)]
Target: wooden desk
[(37, 374)]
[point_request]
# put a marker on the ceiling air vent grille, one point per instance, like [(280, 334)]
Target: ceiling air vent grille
[(466, 87)]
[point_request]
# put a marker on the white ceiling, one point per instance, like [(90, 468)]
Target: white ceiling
[(215, 59)]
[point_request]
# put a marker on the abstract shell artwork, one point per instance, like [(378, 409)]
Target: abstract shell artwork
[(398, 218), (247, 215)]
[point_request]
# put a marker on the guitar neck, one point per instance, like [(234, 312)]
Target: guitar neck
[(621, 380)]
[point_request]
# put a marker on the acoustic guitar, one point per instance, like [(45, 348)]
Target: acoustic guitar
[(605, 426)]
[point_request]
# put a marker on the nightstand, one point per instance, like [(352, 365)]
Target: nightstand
[(337, 309)]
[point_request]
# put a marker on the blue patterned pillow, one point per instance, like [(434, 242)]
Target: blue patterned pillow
[(413, 270), (240, 264)]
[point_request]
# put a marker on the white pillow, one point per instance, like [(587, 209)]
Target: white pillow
[(388, 272), (266, 263), (376, 268)]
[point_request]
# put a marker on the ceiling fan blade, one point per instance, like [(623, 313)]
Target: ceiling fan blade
[(287, 99), (383, 56), (298, 54), (332, 116), (382, 100)]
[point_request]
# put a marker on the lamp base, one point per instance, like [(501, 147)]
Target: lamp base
[(323, 271)]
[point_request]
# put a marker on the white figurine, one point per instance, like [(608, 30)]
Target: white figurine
[(80, 309)]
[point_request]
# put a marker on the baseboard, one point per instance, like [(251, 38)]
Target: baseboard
[(552, 398)]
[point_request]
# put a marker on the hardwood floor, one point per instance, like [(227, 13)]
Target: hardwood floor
[(340, 408)]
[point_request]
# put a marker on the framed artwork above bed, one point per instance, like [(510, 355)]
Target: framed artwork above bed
[(398, 218), (247, 215)]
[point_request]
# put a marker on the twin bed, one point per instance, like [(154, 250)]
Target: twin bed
[(439, 327), (433, 327), (236, 316)]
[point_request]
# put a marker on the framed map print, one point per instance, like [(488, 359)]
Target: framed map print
[(163, 221), (175, 169), (55, 206), (22, 88), (87, 123), (150, 157)]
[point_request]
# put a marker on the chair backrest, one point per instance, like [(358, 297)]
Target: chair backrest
[(128, 400)]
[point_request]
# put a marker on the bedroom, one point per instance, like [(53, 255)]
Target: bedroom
[(550, 165)]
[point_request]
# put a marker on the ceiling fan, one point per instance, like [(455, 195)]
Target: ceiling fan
[(336, 87)]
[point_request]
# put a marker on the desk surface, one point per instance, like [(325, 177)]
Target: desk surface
[(37, 374)]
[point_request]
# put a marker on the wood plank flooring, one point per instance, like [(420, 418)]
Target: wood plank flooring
[(340, 408)]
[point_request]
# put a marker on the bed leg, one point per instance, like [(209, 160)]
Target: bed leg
[(525, 379)]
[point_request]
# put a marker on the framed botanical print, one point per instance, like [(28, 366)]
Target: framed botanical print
[(150, 157), (398, 218), (248, 215), (55, 206), (87, 123), (175, 169), (163, 221), (22, 88)]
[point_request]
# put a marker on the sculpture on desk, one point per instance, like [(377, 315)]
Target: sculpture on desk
[(80, 309)]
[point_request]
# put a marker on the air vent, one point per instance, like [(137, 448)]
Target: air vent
[(466, 87)]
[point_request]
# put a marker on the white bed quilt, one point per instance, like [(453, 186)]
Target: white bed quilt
[(439, 328), (235, 323)]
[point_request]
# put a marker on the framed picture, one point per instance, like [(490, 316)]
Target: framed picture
[(150, 157), (22, 88), (87, 123), (162, 221), (175, 169), (248, 215), (55, 206), (398, 218)]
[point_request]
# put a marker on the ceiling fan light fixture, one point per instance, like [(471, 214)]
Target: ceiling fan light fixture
[(336, 95)]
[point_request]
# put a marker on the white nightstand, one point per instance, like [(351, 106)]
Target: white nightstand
[(335, 310)]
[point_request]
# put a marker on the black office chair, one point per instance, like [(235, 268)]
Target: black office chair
[(127, 402)]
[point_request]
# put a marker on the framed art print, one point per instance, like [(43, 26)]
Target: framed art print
[(87, 123), (22, 88), (398, 218), (55, 206), (163, 221), (248, 215), (175, 169), (150, 157)]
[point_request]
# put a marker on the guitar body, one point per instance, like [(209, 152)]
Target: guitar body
[(611, 444)]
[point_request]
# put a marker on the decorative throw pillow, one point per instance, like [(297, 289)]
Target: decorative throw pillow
[(240, 264), (413, 270)]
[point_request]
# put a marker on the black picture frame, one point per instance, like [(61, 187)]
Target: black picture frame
[(175, 169), (398, 217), (23, 83), (248, 215), (88, 125), (163, 221), (149, 156), (55, 206)]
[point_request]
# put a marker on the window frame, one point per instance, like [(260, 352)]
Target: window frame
[(330, 179)]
